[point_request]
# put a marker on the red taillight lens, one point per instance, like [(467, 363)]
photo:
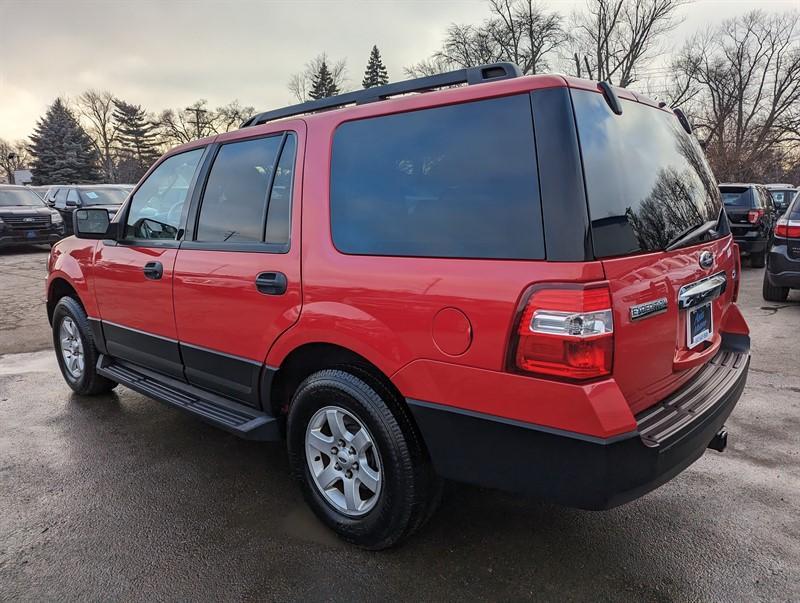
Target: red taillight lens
[(754, 215), (737, 272), (566, 331), (787, 229)]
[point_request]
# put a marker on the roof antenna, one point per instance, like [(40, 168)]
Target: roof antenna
[(611, 97), (683, 119)]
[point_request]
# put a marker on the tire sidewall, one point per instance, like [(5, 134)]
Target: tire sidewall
[(67, 307), (387, 517)]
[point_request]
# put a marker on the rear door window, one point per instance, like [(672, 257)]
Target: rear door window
[(247, 196), (647, 180), (457, 181)]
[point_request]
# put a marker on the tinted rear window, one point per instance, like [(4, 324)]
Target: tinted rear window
[(647, 180), (457, 181), (737, 196)]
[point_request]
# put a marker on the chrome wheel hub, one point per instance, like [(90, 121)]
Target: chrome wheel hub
[(71, 347), (343, 460)]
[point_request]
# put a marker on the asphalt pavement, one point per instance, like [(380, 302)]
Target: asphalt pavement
[(121, 498)]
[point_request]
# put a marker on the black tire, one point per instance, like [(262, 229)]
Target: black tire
[(758, 260), (89, 383), (409, 490), (773, 293)]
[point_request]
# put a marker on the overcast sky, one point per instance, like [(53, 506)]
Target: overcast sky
[(169, 53)]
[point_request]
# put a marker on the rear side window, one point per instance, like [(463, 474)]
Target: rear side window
[(794, 211), (235, 200), (457, 181), (740, 197), (647, 180)]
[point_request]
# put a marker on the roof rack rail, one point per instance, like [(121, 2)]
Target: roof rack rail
[(471, 75)]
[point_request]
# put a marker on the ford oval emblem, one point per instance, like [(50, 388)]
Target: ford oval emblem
[(706, 260)]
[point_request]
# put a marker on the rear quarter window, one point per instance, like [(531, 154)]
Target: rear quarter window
[(794, 210), (457, 181)]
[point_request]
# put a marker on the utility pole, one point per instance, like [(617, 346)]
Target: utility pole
[(198, 111)]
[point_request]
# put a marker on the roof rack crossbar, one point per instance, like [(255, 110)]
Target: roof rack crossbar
[(471, 75)]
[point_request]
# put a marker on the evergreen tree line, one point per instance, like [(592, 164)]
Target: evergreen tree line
[(101, 138)]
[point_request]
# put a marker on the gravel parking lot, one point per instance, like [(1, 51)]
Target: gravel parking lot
[(122, 498)]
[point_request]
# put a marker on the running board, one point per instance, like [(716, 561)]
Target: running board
[(238, 419)]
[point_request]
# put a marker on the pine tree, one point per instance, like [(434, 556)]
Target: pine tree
[(322, 84), (375, 74), (62, 151), (137, 140)]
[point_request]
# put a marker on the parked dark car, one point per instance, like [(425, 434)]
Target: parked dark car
[(108, 196), (783, 260), (782, 195), (752, 216), (24, 218)]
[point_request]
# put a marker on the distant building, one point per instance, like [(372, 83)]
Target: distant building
[(22, 177)]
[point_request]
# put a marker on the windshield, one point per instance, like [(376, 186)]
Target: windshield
[(647, 180), (782, 197), (737, 196), (19, 196), (103, 196)]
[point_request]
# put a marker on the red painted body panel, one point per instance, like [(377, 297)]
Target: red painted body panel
[(71, 260), (597, 409), (126, 297), (218, 307), (648, 351)]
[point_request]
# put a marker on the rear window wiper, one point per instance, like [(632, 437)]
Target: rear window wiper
[(695, 232)]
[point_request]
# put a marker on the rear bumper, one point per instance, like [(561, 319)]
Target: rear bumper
[(748, 245), (782, 270), (584, 471)]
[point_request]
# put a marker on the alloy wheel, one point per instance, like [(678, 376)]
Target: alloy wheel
[(343, 460)]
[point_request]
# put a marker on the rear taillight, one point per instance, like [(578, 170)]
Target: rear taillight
[(565, 331), (754, 215), (787, 229), (736, 277)]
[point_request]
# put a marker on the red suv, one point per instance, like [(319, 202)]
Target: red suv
[(525, 283)]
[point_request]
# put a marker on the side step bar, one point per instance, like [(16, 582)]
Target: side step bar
[(241, 420)]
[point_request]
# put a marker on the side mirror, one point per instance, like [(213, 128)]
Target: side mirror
[(93, 223), (72, 203)]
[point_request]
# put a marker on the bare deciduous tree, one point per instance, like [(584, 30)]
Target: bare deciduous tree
[(230, 117), (426, 67), (13, 156), (614, 39), (519, 31), (96, 108), (300, 83), (179, 126), (747, 106)]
